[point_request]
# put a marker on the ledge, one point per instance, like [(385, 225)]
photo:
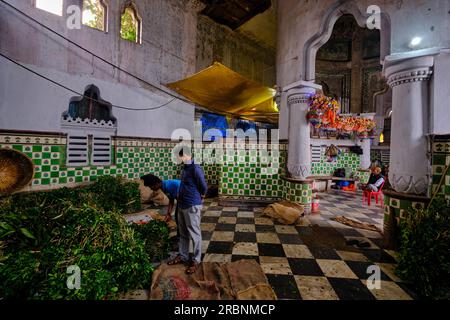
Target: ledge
[(405, 196), (299, 181)]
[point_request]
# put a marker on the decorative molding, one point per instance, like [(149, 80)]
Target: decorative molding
[(298, 98), (195, 5), (415, 75), (410, 184), (299, 171), (28, 139)]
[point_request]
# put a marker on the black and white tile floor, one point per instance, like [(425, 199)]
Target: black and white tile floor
[(300, 271), (296, 270)]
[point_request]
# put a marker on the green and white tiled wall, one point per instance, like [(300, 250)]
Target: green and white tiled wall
[(440, 161), (347, 159), (131, 159), (246, 178), (401, 207), (246, 175), (251, 180)]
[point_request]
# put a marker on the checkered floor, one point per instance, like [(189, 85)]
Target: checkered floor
[(300, 271)]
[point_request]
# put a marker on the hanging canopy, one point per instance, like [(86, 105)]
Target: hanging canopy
[(223, 91)]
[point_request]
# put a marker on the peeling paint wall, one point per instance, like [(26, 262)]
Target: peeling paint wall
[(236, 51), (167, 53), (299, 20)]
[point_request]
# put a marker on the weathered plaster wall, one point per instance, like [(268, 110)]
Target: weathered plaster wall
[(300, 20), (236, 51), (167, 53)]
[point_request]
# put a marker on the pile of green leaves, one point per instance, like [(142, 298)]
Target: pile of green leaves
[(41, 234), (155, 235), (424, 257), (110, 193)]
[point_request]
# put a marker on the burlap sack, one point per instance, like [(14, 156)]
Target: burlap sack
[(146, 192), (150, 196), (284, 212), (242, 280), (159, 198)]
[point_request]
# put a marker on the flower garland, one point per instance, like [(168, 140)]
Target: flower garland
[(323, 113)]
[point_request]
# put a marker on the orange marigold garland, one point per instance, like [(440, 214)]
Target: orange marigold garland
[(323, 113)]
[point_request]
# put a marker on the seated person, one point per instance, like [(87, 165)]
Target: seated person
[(170, 187), (375, 180)]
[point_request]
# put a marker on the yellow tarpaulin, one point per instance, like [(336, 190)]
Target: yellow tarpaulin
[(223, 91)]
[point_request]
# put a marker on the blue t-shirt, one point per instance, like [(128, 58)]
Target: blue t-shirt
[(171, 188)]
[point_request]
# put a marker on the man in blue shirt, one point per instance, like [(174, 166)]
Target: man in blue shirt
[(190, 200), (171, 189)]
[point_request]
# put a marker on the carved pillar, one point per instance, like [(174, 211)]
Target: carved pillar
[(299, 155), (409, 78), (366, 145)]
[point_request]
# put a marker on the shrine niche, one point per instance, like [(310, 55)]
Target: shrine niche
[(348, 66), (90, 107)]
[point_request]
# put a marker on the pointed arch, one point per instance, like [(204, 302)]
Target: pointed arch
[(131, 22), (326, 28)]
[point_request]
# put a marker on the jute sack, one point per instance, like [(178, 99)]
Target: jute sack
[(159, 198), (284, 212), (146, 192), (149, 196)]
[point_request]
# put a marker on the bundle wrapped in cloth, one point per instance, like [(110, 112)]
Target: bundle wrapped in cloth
[(285, 212), (239, 280), (150, 196)]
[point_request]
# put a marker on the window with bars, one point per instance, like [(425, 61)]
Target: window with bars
[(316, 154), (101, 151), (83, 150), (77, 150)]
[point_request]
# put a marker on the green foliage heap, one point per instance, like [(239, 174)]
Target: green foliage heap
[(424, 257), (43, 233), (156, 238)]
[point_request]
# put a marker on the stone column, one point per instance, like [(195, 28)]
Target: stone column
[(365, 157), (366, 145), (299, 153), (409, 78)]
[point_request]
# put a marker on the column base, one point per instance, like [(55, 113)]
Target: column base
[(410, 184), (299, 171)]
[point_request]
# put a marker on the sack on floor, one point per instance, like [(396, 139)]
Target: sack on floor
[(146, 192), (159, 198), (150, 196), (285, 212), (240, 280)]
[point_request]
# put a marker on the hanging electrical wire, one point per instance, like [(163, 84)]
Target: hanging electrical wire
[(78, 93), (105, 61), (92, 53)]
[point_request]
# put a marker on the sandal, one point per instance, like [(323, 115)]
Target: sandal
[(176, 260), (193, 266)]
